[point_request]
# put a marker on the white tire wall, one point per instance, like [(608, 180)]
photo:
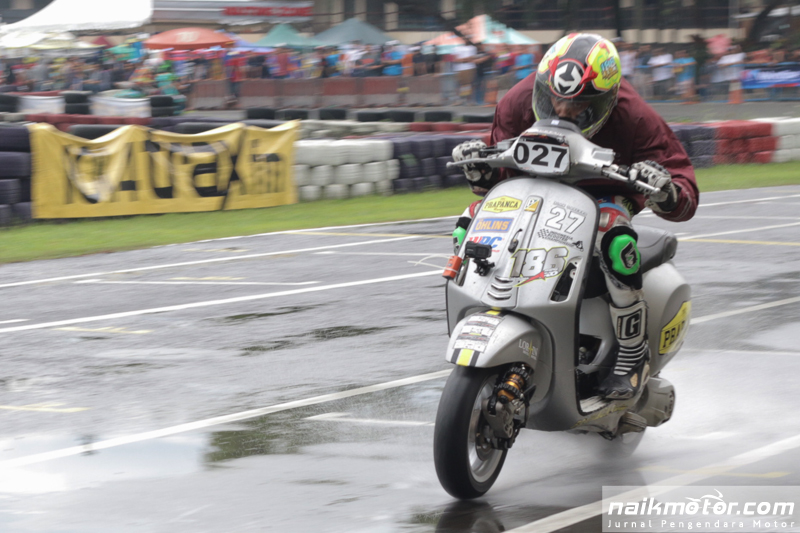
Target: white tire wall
[(393, 169), (383, 187), (348, 174), (375, 172), (362, 189), (321, 175), (336, 191), (302, 175), (310, 193)]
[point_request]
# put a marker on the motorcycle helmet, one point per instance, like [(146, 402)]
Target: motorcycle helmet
[(578, 80)]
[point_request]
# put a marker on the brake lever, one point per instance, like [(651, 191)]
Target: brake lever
[(612, 173)]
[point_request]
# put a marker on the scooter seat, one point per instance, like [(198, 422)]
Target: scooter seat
[(656, 246)]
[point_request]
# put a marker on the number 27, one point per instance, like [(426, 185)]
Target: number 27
[(557, 221)]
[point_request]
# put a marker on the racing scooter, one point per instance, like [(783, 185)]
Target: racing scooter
[(531, 333)]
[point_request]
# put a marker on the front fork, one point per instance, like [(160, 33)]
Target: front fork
[(506, 409)]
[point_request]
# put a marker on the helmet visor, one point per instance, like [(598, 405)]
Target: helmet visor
[(589, 113)]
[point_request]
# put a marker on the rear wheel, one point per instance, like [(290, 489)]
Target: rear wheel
[(466, 463)]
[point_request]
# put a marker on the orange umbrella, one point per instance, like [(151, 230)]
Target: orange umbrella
[(189, 39)]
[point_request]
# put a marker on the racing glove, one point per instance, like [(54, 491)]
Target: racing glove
[(655, 175), (478, 175)]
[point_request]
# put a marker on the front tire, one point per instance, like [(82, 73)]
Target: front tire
[(466, 463)]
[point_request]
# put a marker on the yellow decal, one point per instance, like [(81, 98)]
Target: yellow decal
[(464, 357), (674, 332), (557, 50), (604, 61), (533, 205), (502, 204)]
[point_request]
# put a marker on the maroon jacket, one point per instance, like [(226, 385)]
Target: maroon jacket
[(634, 131)]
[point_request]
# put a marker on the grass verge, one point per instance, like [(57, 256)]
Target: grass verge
[(47, 240)]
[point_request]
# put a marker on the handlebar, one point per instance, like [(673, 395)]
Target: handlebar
[(610, 172)]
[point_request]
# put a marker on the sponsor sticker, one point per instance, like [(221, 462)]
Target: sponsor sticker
[(494, 225), (673, 333), (559, 238), (494, 242), (502, 204), (532, 205)]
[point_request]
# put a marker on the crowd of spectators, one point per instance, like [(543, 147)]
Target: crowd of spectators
[(690, 72)]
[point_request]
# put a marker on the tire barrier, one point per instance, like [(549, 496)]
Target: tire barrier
[(267, 113), (387, 161), (333, 114)]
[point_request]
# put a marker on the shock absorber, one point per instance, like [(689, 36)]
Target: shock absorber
[(513, 386)]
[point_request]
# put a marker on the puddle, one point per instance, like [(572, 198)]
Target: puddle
[(278, 312), (125, 368), (341, 332), (269, 347), (322, 334)]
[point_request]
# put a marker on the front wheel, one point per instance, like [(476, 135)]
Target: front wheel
[(466, 463)]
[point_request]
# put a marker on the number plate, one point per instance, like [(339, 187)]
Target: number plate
[(541, 157)]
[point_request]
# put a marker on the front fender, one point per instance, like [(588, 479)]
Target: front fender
[(492, 339)]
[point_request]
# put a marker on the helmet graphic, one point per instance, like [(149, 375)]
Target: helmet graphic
[(578, 80)]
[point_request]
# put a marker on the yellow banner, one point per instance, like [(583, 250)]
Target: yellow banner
[(135, 170)]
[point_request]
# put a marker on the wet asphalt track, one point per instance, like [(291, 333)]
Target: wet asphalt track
[(124, 379)]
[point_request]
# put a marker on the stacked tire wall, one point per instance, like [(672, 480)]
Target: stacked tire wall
[(342, 159), (15, 175)]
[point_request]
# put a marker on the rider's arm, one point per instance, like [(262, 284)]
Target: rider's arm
[(657, 142)]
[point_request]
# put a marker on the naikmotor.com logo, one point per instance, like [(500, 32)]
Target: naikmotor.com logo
[(742, 509)]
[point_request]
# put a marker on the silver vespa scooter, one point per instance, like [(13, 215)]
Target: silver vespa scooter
[(531, 334)]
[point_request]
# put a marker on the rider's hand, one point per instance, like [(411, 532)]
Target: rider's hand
[(655, 175), (479, 175)]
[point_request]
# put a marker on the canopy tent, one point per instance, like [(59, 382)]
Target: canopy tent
[(61, 44), (82, 15), (482, 29), (352, 30), (285, 36), (188, 39)]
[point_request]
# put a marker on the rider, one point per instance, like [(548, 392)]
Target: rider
[(579, 80)]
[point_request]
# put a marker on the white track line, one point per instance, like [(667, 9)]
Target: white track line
[(77, 450), (758, 307), (746, 230), (750, 200), (225, 419), (14, 321), (585, 512), (383, 253), (209, 303), (345, 417), (204, 261), (106, 282)]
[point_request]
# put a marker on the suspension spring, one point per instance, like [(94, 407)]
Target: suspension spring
[(513, 386)]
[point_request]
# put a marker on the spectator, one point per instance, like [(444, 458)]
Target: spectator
[(685, 68), (505, 59), (463, 66), (730, 68), (627, 56), (642, 80), (392, 59), (523, 62), (663, 75), (484, 62)]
